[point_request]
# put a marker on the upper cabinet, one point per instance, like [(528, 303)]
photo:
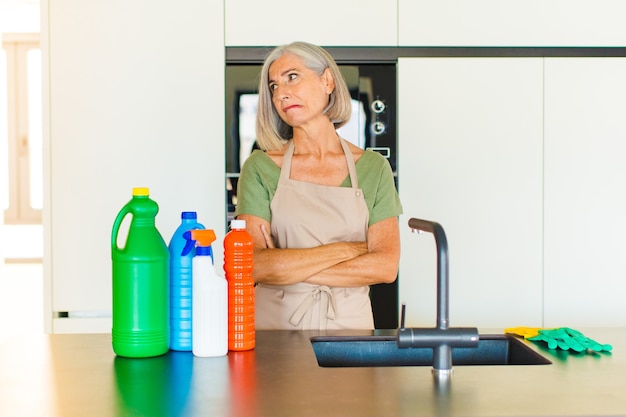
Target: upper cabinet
[(324, 22), (576, 23), (511, 23)]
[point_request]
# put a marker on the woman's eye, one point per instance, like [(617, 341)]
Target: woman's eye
[(272, 87), (292, 76)]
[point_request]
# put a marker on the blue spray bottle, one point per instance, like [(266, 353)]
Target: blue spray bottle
[(181, 284)]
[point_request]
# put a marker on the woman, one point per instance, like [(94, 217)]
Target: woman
[(322, 212)]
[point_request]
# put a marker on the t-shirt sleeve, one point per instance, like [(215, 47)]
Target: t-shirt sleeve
[(380, 190), (256, 186)]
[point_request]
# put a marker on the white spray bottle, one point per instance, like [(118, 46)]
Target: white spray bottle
[(209, 299)]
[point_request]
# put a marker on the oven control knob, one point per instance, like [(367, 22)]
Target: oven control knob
[(378, 106), (378, 128)]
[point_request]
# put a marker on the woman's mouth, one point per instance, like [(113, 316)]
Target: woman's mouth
[(290, 107)]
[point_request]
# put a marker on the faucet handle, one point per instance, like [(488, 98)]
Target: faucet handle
[(402, 315)]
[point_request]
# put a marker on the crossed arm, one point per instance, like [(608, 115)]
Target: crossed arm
[(341, 264)]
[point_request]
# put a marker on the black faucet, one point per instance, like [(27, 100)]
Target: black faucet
[(441, 338)]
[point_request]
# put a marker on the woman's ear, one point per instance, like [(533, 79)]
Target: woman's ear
[(329, 80)]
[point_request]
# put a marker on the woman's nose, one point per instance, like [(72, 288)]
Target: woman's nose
[(281, 92)]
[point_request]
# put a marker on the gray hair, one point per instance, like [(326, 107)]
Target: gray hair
[(271, 130)]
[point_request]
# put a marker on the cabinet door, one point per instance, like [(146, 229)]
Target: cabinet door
[(511, 23), (585, 188), (129, 106), (470, 158), (324, 22)]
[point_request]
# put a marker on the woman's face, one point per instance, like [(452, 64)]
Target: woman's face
[(299, 95)]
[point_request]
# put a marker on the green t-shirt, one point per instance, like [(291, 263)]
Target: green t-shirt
[(259, 178)]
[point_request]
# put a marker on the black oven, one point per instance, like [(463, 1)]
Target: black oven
[(371, 80)]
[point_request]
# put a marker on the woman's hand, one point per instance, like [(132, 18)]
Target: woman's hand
[(379, 263), (268, 238)]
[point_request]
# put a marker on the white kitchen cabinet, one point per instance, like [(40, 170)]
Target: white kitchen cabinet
[(133, 97), (585, 191), (470, 158), (511, 23), (324, 22)]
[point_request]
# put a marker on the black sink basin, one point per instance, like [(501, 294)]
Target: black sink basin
[(367, 351)]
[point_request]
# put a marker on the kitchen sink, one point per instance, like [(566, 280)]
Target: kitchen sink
[(382, 350)]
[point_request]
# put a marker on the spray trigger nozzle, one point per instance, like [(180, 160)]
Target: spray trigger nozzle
[(202, 238), (190, 243)]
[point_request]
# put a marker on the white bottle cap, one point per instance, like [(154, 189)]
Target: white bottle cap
[(238, 224)]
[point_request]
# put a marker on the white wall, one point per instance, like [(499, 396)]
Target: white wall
[(19, 16)]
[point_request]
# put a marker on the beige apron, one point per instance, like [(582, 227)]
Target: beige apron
[(306, 215)]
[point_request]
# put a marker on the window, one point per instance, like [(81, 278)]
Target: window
[(21, 130)]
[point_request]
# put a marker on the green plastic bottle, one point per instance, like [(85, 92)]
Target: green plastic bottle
[(140, 282)]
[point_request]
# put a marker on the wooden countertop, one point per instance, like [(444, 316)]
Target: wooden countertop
[(79, 375)]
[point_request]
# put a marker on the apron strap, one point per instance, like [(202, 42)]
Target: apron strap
[(285, 169), (354, 179), (327, 308)]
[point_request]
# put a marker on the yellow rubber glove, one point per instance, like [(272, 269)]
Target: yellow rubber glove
[(523, 331)]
